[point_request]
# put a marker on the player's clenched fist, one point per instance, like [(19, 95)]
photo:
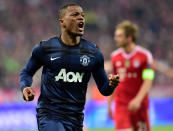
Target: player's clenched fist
[(114, 80), (28, 94)]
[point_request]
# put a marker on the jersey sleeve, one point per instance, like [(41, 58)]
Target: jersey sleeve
[(33, 64), (148, 71), (100, 76)]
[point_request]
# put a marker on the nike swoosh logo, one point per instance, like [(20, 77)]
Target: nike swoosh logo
[(54, 58)]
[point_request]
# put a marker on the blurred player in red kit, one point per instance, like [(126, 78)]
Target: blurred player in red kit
[(134, 64)]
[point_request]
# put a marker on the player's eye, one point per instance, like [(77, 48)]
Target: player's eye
[(75, 14)]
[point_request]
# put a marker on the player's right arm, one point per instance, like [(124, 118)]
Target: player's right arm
[(25, 78), (110, 100), (109, 68)]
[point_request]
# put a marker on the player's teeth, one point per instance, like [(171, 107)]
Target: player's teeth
[(80, 25)]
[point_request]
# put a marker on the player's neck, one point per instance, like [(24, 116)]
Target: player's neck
[(130, 47), (69, 39)]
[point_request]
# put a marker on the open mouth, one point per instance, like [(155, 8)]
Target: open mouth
[(81, 26)]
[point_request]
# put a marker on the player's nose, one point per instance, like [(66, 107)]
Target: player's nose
[(81, 17)]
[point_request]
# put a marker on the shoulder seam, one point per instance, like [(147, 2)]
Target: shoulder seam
[(147, 53), (118, 51)]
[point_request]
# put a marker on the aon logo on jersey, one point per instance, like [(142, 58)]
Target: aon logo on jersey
[(69, 76)]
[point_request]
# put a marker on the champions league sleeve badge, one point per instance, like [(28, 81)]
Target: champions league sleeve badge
[(84, 60)]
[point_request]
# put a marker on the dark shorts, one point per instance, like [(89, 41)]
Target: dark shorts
[(48, 123)]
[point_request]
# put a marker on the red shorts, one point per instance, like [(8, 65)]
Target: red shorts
[(125, 119)]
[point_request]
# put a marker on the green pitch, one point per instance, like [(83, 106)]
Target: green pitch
[(156, 128)]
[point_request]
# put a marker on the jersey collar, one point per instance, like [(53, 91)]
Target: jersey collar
[(129, 55)]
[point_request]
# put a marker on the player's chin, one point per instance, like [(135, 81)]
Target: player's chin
[(77, 34), (119, 45), (80, 33)]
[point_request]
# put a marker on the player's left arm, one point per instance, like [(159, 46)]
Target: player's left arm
[(106, 85), (147, 76), (136, 102)]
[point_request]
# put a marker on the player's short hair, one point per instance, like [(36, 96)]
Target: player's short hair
[(129, 28), (62, 10)]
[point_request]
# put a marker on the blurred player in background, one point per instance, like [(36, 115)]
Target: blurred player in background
[(134, 64), (163, 68), (68, 62)]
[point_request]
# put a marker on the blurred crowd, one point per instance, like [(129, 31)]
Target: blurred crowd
[(24, 23)]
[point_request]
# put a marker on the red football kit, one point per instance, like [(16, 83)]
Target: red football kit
[(130, 67)]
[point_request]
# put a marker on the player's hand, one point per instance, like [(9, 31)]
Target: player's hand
[(28, 94), (110, 113), (114, 80), (134, 105)]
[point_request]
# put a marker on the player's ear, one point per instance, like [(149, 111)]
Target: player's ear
[(60, 21)]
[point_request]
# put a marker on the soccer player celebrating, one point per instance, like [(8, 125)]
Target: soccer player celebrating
[(68, 62), (134, 65)]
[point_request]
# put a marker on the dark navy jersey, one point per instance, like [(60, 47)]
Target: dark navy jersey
[(65, 75)]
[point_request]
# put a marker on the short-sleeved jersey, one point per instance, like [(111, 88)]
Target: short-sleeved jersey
[(65, 75), (130, 67)]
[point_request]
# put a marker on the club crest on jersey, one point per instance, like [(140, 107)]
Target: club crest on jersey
[(84, 60), (136, 63)]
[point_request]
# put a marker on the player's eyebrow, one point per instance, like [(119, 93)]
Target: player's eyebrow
[(77, 12)]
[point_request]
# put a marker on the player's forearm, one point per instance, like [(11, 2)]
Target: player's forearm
[(25, 79), (31, 67), (103, 84), (108, 66), (144, 90), (110, 99), (102, 81), (100, 76), (106, 90)]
